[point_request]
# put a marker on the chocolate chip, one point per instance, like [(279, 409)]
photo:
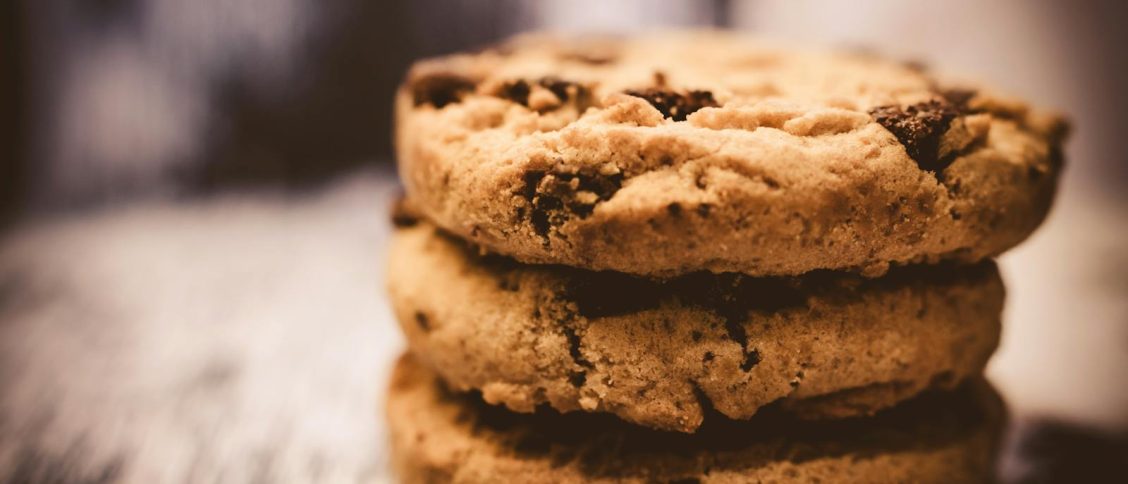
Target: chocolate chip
[(518, 90), (532, 180), (543, 215), (675, 105), (555, 197), (440, 89), (560, 87), (539, 216), (919, 128), (674, 209)]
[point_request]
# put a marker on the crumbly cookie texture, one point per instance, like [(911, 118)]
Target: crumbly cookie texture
[(683, 152), (437, 437), (662, 354)]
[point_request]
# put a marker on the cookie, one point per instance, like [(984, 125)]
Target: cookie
[(676, 153), (438, 436), (661, 354)]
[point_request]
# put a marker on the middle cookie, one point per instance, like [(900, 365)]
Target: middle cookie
[(662, 354)]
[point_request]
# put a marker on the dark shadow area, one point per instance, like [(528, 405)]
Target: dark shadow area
[(1055, 451)]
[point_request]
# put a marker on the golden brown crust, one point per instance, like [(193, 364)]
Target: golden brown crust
[(659, 354), (440, 437), (671, 154)]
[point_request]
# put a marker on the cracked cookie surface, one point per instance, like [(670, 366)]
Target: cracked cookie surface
[(438, 436), (663, 354), (684, 152)]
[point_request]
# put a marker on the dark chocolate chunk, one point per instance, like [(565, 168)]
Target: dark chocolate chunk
[(518, 91), (919, 128), (532, 181), (559, 87), (440, 89), (675, 105), (554, 196), (545, 214)]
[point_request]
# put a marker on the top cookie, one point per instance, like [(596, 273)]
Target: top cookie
[(682, 152)]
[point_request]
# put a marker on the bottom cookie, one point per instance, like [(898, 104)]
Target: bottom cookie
[(440, 436)]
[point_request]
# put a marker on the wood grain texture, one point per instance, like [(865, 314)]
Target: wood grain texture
[(240, 339)]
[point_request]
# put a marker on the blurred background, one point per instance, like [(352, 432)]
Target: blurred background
[(193, 205)]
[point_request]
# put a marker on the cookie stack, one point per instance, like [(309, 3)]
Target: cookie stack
[(694, 257)]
